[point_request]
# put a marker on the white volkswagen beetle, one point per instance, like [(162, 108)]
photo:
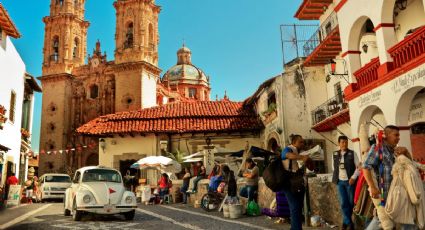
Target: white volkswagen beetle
[(100, 190)]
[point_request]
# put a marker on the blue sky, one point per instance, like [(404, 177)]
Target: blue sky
[(235, 42)]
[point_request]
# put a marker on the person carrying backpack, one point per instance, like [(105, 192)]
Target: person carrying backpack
[(290, 157)]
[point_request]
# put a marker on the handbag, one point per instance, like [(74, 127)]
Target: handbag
[(296, 180)]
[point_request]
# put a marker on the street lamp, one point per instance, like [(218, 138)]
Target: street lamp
[(332, 71), (365, 48), (208, 141), (401, 4), (102, 144)]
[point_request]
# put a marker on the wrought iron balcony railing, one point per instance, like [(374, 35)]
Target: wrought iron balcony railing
[(324, 30), (329, 108)]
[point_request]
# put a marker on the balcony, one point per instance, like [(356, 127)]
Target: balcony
[(368, 73), (407, 55), (312, 9), (411, 48), (330, 114), (325, 44)]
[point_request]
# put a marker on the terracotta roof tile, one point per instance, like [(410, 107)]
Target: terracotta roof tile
[(200, 116)]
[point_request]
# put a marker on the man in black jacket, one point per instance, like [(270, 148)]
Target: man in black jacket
[(345, 163)]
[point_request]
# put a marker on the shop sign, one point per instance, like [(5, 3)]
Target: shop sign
[(13, 196), (408, 80), (417, 110), (369, 98)]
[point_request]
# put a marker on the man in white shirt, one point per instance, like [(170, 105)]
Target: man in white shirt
[(345, 173)]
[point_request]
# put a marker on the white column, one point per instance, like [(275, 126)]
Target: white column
[(405, 140), (385, 39), (353, 64)]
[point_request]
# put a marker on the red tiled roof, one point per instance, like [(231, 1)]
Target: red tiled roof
[(7, 24), (182, 117)]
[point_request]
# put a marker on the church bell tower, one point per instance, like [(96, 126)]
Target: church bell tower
[(65, 37), (136, 36)]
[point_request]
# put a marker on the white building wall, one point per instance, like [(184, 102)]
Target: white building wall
[(394, 99), (12, 70), (120, 145)]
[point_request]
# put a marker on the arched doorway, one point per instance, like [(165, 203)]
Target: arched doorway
[(406, 17), (373, 119), (411, 113)]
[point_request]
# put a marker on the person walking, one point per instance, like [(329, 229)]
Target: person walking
[(345, 173), (377, 171), (290, 156)]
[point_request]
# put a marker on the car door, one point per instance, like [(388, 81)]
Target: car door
[(74, 187)]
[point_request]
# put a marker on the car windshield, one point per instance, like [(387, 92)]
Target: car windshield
[(58, 179), (94, 175)]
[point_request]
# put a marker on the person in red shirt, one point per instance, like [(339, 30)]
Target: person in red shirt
[(12, 180), (164, 185)]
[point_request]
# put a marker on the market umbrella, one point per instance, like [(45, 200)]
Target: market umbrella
[(198, 154), (161, 163)]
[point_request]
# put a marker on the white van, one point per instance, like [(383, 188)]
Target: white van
[(53, 185)]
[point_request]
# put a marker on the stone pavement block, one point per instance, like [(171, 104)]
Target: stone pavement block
[(9, 214)]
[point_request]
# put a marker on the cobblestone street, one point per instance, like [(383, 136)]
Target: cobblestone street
[(50, 216)]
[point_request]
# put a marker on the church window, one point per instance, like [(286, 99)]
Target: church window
[(76, 5), (55, 55), (129, 36), (75, 48), (94, 91), (150, 34), (192, 92), (60, 2), (52, 127)]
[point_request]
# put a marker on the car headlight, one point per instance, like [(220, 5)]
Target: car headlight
[(86, 198), (128, 199), (46, 188)]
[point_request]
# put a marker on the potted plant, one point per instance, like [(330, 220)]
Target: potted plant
[(2, 110), (270, 113), (25, 134), (3, 120)]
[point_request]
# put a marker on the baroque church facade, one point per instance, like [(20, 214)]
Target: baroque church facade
[(76, 92)]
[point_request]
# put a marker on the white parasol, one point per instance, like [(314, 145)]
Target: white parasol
[(161, 163)]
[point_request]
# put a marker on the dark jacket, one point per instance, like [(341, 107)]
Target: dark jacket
[(349, 164)]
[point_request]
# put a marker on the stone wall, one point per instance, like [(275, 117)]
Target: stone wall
[(265, 195), (324, 199)]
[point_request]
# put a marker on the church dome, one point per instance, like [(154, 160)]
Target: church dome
[(184, 71)]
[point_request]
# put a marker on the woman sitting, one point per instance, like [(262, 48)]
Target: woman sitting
[(215, 181), (164, 185)]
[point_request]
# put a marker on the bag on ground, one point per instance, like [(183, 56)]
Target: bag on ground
[(253, 209)]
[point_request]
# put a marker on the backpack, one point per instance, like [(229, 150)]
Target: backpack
[(275, 176)]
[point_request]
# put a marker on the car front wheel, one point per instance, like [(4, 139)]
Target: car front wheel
[(129, 215), (76, 215)]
